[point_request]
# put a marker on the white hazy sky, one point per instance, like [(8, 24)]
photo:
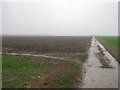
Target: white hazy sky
[(59, 17)]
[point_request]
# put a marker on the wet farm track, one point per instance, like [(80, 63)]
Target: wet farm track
[(95, 76)]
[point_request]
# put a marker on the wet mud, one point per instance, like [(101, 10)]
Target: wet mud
[(93, 75)]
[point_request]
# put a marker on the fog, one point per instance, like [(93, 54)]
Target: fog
[(60, 17)]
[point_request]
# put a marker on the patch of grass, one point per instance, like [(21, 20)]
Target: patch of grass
[(82, 57), (111, 41), (19, 73), (67, 80)]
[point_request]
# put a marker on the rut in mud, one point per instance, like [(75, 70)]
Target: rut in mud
[(33, 55), (94, 75), (103, 59)]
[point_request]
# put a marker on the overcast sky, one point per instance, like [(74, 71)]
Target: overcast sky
[(60, 17)]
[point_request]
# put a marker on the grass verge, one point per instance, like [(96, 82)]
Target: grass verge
[(18, 73)]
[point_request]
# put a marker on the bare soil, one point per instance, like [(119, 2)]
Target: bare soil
[(47, 44), (103, 59)]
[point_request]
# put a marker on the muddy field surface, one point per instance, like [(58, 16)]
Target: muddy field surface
[(45, 44), (50, 77), (56, 62)]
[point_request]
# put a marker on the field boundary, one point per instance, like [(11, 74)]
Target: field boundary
[(116, 58)]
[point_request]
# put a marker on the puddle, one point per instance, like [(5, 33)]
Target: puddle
[(34, 55), (96, 77)]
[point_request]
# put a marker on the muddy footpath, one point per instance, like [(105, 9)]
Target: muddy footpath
[(100, 69)]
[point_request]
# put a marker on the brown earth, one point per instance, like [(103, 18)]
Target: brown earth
[(103, 60), (45, 44)]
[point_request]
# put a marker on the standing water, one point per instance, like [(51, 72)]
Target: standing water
[(95, 76)]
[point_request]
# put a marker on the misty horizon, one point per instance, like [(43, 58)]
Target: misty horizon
[(49, 35), (60, 18)]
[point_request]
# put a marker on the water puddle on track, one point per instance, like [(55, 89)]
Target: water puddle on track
[(93, 75)]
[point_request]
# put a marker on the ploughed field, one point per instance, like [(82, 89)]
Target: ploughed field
[(43, 72), (111, 44), (45, 44)]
